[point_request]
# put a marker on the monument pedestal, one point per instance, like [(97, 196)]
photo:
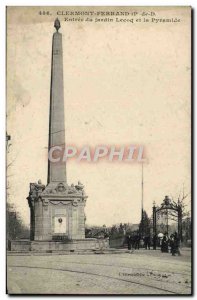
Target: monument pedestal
[(81, 245), (72, 245), (57, 212)]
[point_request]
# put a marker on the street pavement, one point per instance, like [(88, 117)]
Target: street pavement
[(141, 272)]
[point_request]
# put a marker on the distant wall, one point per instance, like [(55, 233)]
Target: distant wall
[(118, 242)]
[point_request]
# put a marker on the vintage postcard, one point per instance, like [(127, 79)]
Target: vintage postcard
[(98, 140)]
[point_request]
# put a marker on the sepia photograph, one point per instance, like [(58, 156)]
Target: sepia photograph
[(98, 150)]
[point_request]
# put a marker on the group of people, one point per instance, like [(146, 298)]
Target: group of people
[(133, 241), (166, 243), (173, 242)]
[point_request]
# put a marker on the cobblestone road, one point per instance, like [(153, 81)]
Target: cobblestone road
[(142, 272)]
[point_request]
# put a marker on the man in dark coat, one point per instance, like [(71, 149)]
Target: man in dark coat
[(164, 244), (129, 242), (137, 241), (154, 242)]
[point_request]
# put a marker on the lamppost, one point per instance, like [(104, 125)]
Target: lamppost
[(154, 227), (167, 225)]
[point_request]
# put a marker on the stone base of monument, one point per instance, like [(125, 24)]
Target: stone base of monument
[(53, 246)]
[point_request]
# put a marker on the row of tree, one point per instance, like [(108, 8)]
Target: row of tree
[(15, 228), (144, 228)]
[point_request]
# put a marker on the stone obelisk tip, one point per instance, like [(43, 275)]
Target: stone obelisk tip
[(57, 24)]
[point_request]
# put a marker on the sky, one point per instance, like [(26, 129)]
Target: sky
[(124, 84)]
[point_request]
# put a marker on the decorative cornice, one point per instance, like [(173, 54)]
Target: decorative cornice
[(56, 193), (63, 189)]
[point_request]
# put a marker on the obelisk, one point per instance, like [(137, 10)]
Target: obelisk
[(57, 209), (56, 171)]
